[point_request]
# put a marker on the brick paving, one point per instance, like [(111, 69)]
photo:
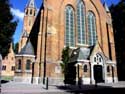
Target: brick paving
[(22, 88)]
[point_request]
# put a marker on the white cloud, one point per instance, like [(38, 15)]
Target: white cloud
[(17, 13)]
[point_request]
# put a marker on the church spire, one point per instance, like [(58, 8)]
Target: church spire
[(31, 4), (106, 7)]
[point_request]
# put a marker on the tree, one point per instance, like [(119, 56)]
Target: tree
[(118, 17), (68, 68), (7, 27), (65, 59)]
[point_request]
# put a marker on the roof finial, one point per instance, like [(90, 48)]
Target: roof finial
[(106, 7)]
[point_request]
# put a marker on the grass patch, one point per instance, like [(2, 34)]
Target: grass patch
[(7, 78)]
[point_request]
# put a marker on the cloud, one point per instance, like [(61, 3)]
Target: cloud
[(17, 13)]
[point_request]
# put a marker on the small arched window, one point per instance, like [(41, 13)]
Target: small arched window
[(98, 58), (69, 27), (108, 68), (31, 12), (19, 64), (27, 12), (28, 65), (85, 68), (92, 37)]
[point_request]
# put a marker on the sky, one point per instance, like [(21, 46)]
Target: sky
[(17, 9)]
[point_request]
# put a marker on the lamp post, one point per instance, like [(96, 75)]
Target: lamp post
[(0, 70), (44, 71), (46, 29)]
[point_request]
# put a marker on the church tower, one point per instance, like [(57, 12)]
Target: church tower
[(28, 21)]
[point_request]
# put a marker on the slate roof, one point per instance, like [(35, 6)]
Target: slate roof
[(81, 54), (27, 49)]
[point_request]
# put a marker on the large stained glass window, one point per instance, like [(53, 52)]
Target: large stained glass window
[(69, 27), (92, 37), (81, 23)]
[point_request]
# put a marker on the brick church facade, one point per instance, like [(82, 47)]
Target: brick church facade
[(85, 26)]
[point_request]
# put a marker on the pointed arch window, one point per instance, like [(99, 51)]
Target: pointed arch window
[(28, 65), (69, 27), (85, 68), (92, 37), (19, 64), (81, 23)]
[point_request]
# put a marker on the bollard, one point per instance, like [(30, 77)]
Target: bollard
[(96, 85), (47, 83)]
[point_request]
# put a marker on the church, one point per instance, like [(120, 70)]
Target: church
[(85, 26)]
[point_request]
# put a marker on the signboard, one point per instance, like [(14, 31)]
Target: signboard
[(57, 69)]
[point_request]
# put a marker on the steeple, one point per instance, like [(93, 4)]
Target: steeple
[(106, 7), (28, 21), (31, 4)]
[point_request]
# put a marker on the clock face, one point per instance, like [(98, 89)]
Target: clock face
[(98, 59)]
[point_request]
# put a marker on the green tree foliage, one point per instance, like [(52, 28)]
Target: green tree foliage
[(65, 59), (68, 68), (118, 18), (7, 27)]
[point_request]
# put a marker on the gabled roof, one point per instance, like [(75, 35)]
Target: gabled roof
[(80, 54), (27, 49), (31, 4)]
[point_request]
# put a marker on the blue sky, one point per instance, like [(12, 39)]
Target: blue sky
[(17, 9)]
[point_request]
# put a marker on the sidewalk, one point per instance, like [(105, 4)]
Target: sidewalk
[(22, 88)]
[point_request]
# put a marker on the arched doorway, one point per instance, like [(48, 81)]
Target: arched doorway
[(98, 73), (98, 68)]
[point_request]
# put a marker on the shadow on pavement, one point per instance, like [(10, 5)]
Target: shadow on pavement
[(91, 89), (4, 81)]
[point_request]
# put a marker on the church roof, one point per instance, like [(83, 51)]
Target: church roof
[(31, 4), (27, 49)]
